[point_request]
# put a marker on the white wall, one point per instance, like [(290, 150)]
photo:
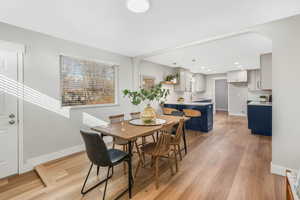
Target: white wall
[(45, 131), (238, 95), (285, 35), (159, 72)]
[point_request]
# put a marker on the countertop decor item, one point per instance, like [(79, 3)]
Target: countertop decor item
[(156, 93)]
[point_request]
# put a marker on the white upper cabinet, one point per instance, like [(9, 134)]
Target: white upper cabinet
[(237, 76), (254, 80), (266, 71), (199, 83)]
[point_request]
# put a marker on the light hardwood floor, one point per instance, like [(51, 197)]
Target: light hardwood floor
[(227, 163)]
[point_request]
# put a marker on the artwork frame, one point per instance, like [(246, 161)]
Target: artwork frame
[(115, 68), (147, 81)]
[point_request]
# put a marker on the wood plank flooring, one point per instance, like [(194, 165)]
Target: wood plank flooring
[(226, 164)]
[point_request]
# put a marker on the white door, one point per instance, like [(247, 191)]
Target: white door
[(8, 113)]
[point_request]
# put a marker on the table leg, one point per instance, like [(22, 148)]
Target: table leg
[(130, 179), (184, 139)]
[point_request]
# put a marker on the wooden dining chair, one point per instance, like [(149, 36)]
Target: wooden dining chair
[(176, 140), (168, 111), (157, 150), (118, 141)]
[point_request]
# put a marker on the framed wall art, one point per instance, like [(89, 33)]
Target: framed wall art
[(87, 82)]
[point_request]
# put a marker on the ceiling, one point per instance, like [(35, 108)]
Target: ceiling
[(107, 24), (219, 56)]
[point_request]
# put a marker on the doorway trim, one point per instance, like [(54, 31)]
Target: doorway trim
[(20, 50), (214, 91)]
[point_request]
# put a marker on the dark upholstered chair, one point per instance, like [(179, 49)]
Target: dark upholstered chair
[(100, 156)]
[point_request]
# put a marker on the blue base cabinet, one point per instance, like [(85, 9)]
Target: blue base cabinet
[(260, 119), (203, 123)]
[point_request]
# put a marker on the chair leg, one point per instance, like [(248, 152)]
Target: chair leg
[(175, 157), (152, 161), (106, 183), (88, 190), (144, 159), (98, 167), (137, 168), (143, 140), (170, 164), (156, 172), (139, 152), (124, 164), (153, 138), (179, 151)]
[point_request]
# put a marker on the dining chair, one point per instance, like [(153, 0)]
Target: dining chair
[(176, 140), (168, 111), (99, 155), (118, 141), (157, 150), (136, 115)]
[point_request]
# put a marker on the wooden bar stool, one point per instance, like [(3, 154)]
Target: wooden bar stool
[(191, 113), (168, 111)]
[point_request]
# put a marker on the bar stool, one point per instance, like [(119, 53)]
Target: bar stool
[(191, 113), (168, 111)]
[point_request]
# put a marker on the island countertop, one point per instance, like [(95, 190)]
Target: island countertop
[(258, 103), (190, 103)]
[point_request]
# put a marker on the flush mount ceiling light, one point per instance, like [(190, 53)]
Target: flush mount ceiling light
[(138, 6)]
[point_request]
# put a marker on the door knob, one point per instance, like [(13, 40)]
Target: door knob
[(11, 116), (11, 122)]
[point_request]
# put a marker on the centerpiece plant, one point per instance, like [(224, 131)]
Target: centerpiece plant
[(147, 96)]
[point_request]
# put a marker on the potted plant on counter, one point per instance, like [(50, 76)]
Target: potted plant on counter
[(147, 96)]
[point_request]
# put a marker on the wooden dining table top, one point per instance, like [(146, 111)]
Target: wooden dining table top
[(127, 131)]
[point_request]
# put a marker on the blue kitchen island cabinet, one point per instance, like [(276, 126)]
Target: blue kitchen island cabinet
[(260, 118), (204, 123)]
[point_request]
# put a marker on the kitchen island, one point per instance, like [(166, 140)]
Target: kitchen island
[(260, 118), (204, 123)]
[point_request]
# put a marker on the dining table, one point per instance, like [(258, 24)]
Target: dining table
[(127, 131)]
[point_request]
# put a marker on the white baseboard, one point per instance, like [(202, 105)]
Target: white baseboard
[(32, 162), (279, 170), (237, 114), (221, 109)]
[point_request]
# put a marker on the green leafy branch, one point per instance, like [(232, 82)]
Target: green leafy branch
[(156, 93)]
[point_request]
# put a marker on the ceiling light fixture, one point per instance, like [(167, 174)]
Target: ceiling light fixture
[(236, 63), (138, 6)]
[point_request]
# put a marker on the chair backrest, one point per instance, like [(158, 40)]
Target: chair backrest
[(116, 118), (192, 113), (168, 111), (163, 145), (135, 115), (177, 113), (179, 131), (96, 148), (164, 141)]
